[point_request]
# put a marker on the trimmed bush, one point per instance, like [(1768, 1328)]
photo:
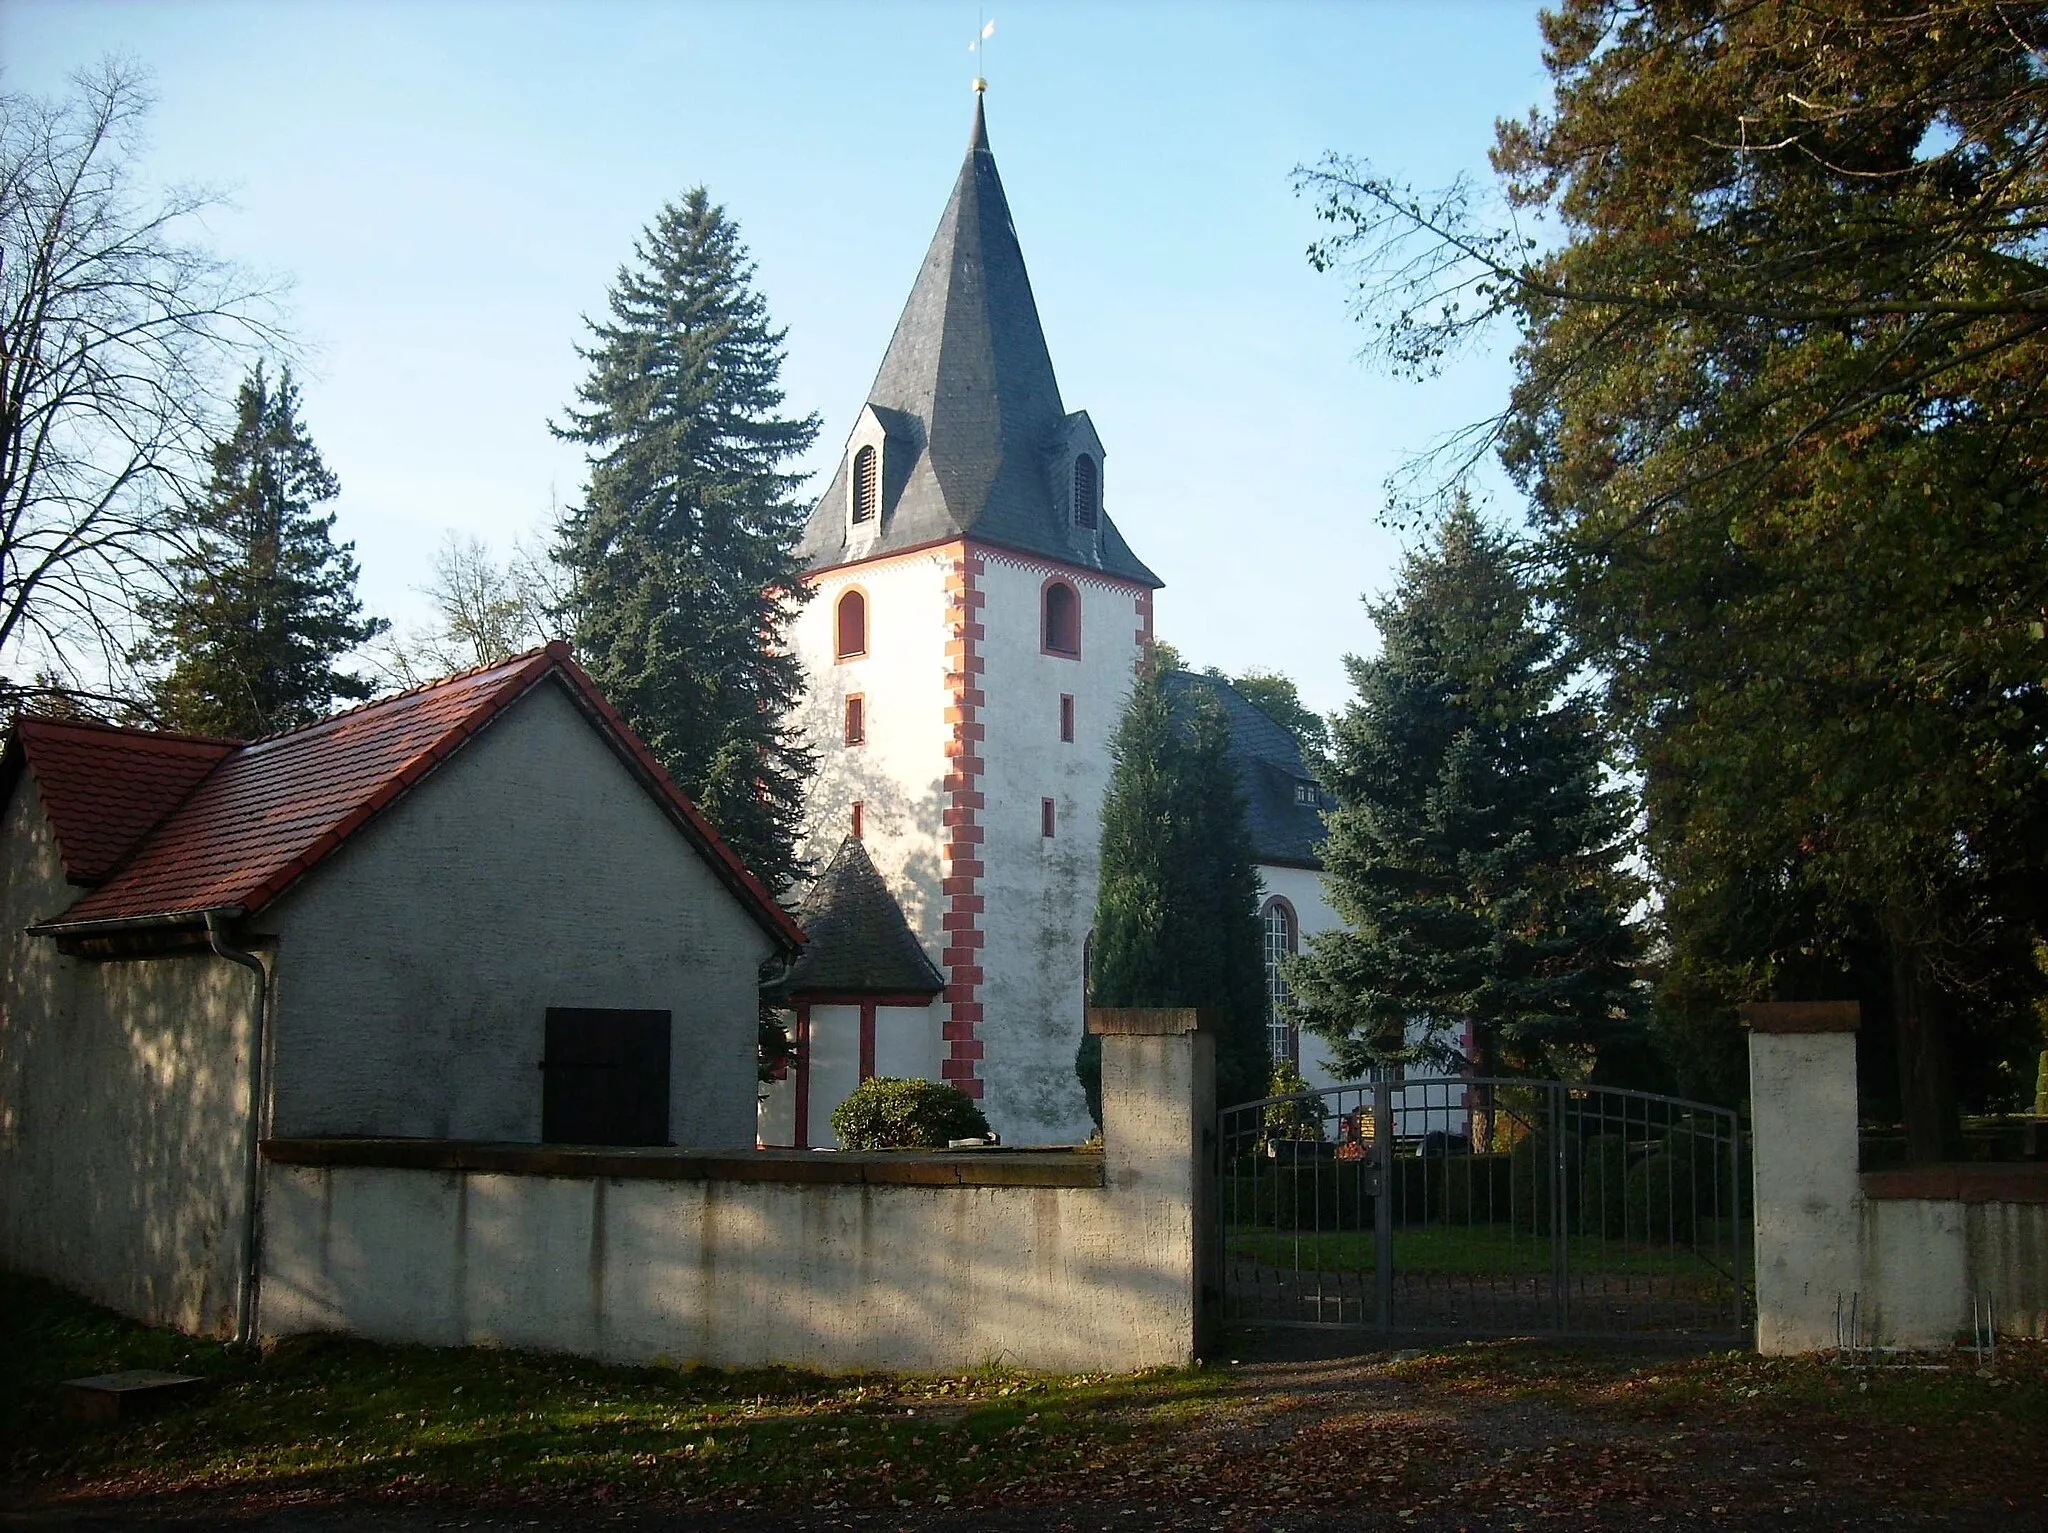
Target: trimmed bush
[(1601, 1203), (1326, 1195), (889, 1114), (1660, 1199)]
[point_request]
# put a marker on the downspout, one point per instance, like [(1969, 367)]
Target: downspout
[(259, 1048)]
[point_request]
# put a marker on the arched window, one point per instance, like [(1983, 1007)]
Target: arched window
[(1283, 1040), (1087, 497), (1062, 619), (853, 625), (866, 479)]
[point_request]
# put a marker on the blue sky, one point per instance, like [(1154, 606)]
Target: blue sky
[(451, 187)]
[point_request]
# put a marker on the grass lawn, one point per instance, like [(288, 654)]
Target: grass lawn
[(1466, 1250), (1451, 1436), (339, 1416)]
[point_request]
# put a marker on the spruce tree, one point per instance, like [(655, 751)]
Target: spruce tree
[(1475, 852), (681, 559), (1176, 913), (263, 601)]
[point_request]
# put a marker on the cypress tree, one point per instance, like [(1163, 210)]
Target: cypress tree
[(1226, 965), (1475, 852), (1176, 913), (263, 601), (681, 559)]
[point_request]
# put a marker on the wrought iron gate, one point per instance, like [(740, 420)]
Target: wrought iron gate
[(1484, 1207)]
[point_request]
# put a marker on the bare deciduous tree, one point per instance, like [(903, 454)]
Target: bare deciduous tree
[(116, 330), (484, 612)]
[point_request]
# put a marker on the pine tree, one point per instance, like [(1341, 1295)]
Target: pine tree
[(1475, 853), (1176, 913), (681, 559), (263, 603)]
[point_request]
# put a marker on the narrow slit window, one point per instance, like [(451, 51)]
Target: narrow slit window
[(856, 720), (859, 819), (1087, 496), (853, 625), (1067, 717), (866, 481), (1047, 818)]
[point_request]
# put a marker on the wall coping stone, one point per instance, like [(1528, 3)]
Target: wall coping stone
[(1965, 1182), (1801, 1016), (1152, 1021), (871, 1168)]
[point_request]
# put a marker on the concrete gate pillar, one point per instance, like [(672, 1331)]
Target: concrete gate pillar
[(1159, 1160), (1802, 1108)]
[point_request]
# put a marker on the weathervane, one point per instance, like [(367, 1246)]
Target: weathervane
[(988, 30)]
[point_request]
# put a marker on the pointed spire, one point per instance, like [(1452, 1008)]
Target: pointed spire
[(860, 941), (968, 399)]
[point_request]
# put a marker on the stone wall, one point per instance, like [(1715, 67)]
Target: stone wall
[(1904, 1253), (1056, 1260)]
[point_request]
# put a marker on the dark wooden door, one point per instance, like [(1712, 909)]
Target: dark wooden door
[(604, 1079)]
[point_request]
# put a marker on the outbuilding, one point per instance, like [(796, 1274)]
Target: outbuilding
[(479, 910)]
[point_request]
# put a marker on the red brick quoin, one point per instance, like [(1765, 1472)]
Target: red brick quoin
[(961, 847)]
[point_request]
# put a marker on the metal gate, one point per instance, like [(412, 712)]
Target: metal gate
[(1482, 1206)]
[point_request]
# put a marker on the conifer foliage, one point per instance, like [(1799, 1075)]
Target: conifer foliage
[(263, 602), (681, 562), (1177, 913), (1474, 853)]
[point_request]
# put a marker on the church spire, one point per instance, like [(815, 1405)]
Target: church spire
[(967, 399)]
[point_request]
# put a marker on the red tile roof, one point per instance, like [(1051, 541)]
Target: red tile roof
[(272, 809), (105, 788)]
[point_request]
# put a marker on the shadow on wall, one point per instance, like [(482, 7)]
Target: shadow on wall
[(126, 1087)]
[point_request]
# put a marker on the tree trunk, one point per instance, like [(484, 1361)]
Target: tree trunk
[(1927, 1089)]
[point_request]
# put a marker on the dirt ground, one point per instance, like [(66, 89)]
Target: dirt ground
[(1304, 1436)]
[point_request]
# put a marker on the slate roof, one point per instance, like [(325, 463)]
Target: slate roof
[(104, 788), (860, 943), (967, 397), (1285, 832), (265, 813)]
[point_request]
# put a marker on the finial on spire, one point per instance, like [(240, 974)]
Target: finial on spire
[(979, 48)]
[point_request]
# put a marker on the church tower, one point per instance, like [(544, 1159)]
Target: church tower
[(975, 623)]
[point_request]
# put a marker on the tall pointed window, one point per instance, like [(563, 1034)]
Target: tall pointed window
[(1282, 935), (853, 625), (1062, 619), (1087, 493), (866, 484)]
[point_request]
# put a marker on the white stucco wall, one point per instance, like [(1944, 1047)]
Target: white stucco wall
[(897, 774), (531, 870), (907, 1041), (834, 1066), (1803, 1121), (123, 1105), (907, 1047), (742, 1273), (1040, 892), (1902, 1253)]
